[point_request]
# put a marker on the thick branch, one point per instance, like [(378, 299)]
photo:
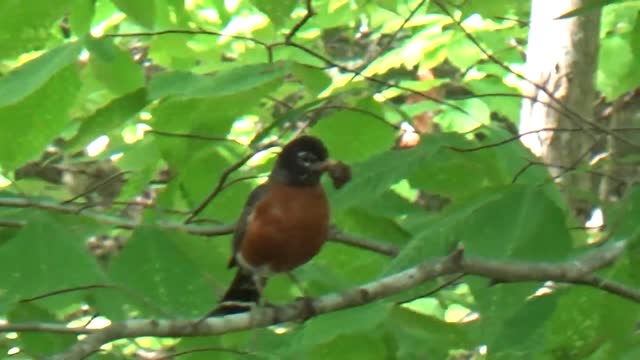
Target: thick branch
[(576, 271)]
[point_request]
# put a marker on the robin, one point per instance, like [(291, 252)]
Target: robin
[(284, 222)]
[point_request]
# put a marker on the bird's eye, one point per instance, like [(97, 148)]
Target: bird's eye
[(306, 158)]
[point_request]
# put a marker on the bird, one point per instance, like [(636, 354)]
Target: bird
[(284, 222)]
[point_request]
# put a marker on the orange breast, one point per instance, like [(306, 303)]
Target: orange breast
[(287, 228)]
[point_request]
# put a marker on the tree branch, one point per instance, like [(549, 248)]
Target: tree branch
[(193, 229), (116, 221), (223, 179), (576, 271)]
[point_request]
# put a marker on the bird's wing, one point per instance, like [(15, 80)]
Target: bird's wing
[(254, 198)]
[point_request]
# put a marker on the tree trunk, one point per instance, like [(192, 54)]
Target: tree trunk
[(562, 58), (622, 163)]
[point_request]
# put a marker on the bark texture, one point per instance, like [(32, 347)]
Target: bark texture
[(562, 60)]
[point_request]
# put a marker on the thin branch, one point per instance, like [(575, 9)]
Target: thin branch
[(290, 42), (373, 79), (189, 32), (116, 221), (131, 293), (207, 349), (97, 186), (513, 138), (222, 180), (193, 136), (576, 271), (241, 179), (391, 39), (362, 243), (363, 111), (267, 47), (575, 115), (192, 228), (437, 289), (569, 168), (522, 170), (294, 30), (64, 291)]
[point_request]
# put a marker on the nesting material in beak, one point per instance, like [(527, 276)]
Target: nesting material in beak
[(339, 172)]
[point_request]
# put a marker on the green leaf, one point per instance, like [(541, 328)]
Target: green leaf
[(477, 113), (373, 176), (197, 178), (537, 229), (81, 16), (196, 118), (141, 11), (361, 345), (27, 27), (31, 76), (457, 174), (328, 327), (278, 12), (31, 124), (355, 136), (248, 79), (424, 337), (34, 343), (435, 235), (153, 265), (463, 53), (519, 331), (493, 8), (114, 67), (109, 118), (586, 319), (45, 256), (613, 69), (315, 80)]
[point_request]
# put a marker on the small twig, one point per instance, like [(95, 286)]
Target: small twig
[(437, 289), (267, 47), (222, 180), (569, 168), (207, 349), (575, 115), (146, 301), (193, 136), (373, 79), (64, 291), (364, 111), (240, 179), (116, 221), (391, 39), (522, 170), (96, 186), (513, 138), (308, 15), (356, 241), (189, 32)]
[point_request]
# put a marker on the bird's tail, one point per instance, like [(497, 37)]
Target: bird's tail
[(241, 294)]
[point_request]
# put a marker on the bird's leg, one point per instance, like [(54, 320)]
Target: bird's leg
[(257, 308), (298, 284), (306, 299)]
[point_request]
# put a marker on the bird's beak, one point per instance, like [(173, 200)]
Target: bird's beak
[(324, 165)]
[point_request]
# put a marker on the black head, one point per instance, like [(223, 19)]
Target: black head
[(301, 162)]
